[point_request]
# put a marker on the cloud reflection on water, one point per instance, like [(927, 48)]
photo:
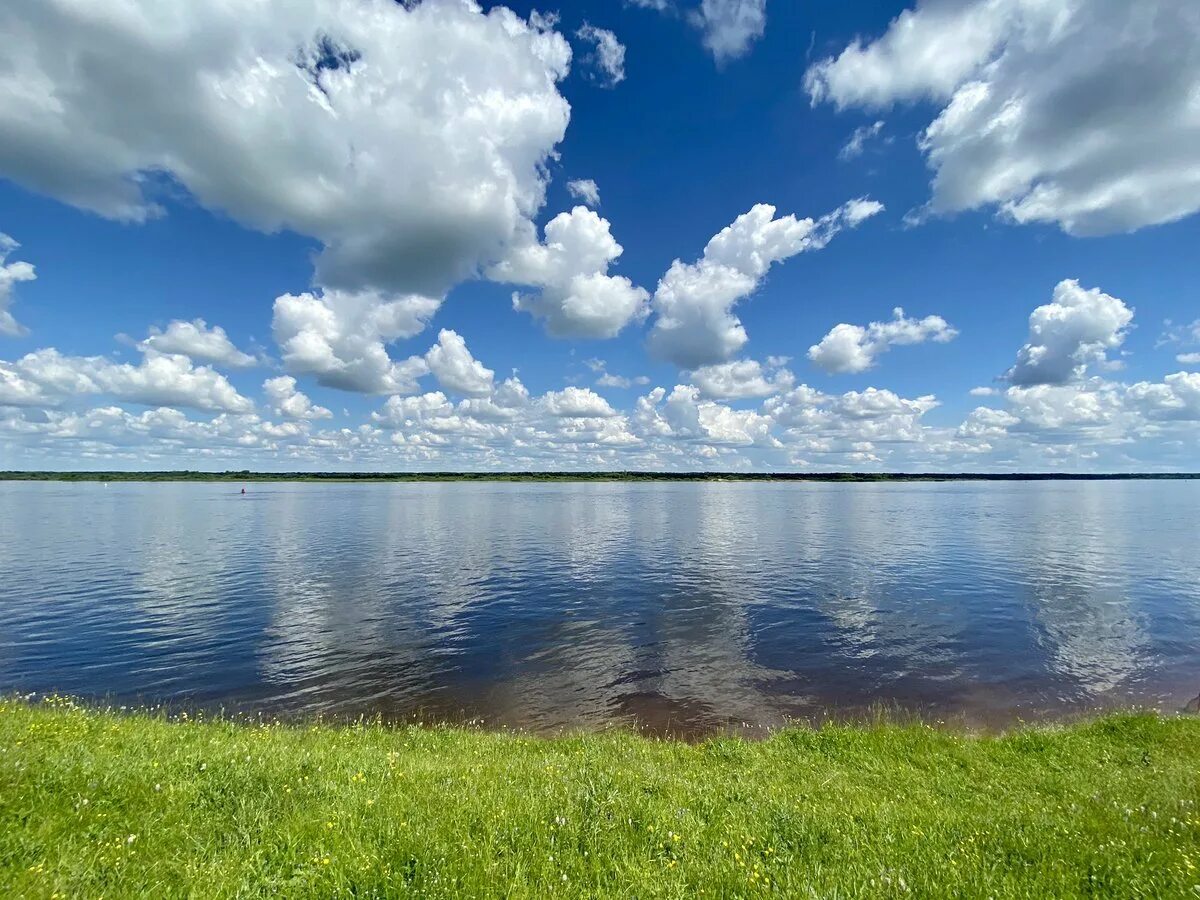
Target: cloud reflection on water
[(676, 606)]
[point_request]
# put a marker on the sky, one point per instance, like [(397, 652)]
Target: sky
[(770, 235)]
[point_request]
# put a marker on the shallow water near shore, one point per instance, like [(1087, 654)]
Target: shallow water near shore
[(678, 608)]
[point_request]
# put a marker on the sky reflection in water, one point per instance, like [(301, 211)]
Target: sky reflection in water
[(682, 607)]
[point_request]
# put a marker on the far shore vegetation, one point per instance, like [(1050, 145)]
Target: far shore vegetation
[(246, 475), (112, 803)]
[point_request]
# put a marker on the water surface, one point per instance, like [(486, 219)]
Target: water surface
[(676, 607)]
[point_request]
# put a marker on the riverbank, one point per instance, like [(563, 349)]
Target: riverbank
[(96, 803)]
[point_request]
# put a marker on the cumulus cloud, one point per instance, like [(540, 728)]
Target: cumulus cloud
[(1084, 424), (853, 348), (289, 403), (456, 369), (586, 190), (16, 389), (1081, 114), (1080, 420), (685, 415), (1072, 332), (196, 340), (729, 27), (432, 419), (10, 275), (110, 434), (984, 423), (1050, 424), (579, 403), (47, 376), (341, 338), (607, 55), (743, 378), (855, 426), (695, 325), (1176, 397), (410, 140), (578, 297), (508, 423), (1050, 409)]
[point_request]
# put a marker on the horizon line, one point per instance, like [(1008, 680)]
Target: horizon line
[(567, 475)]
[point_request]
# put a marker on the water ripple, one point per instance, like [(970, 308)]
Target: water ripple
[(681, 607)]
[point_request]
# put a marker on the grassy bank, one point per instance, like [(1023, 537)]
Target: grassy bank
[(100, 804)]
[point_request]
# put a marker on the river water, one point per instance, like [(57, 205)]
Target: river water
[(679, 608)]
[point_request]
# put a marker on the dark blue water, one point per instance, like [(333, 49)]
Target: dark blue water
[(682, 607)]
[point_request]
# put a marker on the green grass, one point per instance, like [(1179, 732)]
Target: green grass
[(96, 803)]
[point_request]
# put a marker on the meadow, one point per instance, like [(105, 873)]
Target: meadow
[(113, 803)]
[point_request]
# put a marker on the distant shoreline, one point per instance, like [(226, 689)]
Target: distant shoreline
[(385, 477)]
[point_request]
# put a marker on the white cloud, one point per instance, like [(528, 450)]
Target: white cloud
[(1129, 426), (1072, 332), (10, 275), (983, 423), (399, 412), (741, 379), (18, 390), (290, 403), (926, 53), (1077, 423), (1182, 335), (695, 324), (1082, 114), (853, 348), (578, 297), (1176, 397), (608, 55), (410, 140), (506, 422), (604, 378), (1092, 424), (876, 403), (341, 338), (456, 369), (505, 403), (196, 340), (853, 148), (110, 434), (609, 380), (857, 422), (684, 415), (729, 27), (159, 380), (1094, 413), (586, 190), (579, 403)]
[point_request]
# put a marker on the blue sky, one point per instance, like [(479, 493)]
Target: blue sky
[(1025, 187)]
